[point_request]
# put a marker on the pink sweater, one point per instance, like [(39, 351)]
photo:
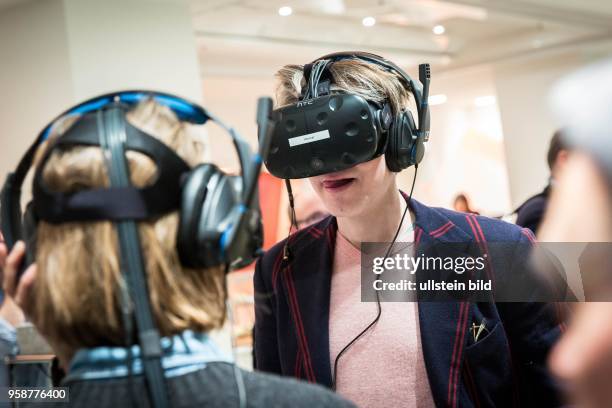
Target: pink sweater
[(385, 367)]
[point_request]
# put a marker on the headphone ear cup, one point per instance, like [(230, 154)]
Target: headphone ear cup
[(417, 144), (400, 152), (418, 151), (194, 193), (390, 153), (211, 214)]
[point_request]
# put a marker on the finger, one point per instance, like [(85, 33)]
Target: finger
[(25, 287), (11, 268)]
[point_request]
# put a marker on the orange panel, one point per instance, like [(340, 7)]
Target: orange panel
[(270, 189)]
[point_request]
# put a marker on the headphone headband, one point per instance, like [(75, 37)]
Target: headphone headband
[(371, 58)]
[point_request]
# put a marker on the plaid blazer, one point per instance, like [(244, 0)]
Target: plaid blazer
[(506, 367)]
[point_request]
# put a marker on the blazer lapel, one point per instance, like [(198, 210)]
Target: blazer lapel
[(308, 288), (443, 324)]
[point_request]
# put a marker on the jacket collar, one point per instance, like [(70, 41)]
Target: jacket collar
[(442, 324), (434, 225)]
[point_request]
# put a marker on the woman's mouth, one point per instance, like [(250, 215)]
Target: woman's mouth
[(337, 184)]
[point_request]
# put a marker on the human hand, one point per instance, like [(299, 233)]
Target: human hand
[(17, 295)]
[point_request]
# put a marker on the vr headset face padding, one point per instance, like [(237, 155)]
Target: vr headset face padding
[(404, 149), (208, 207)]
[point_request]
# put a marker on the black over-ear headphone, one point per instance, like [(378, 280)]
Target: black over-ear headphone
[(404, 144), (220, 223)]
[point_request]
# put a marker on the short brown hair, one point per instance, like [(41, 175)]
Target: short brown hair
[(353, 75), (79, 266)]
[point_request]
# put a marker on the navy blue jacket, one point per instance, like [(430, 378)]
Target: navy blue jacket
[(506, 367), (531, 212)]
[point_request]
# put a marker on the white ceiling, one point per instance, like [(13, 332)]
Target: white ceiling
[(249, 38)]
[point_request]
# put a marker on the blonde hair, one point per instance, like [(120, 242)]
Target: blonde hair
[(350, 75), (79, 266)]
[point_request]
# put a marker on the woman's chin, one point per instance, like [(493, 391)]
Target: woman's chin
[(342, 208)]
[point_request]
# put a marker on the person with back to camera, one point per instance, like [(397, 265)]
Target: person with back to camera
[(343, 123), (82, 292)]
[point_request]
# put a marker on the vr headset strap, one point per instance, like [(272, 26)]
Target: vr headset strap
[(112, 135), (323, 85)]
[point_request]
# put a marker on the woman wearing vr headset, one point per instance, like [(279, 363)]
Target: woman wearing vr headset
[(73, 292), (310, 320)]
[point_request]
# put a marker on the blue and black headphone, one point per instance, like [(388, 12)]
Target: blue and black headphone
[(220, 222), (219, 219)]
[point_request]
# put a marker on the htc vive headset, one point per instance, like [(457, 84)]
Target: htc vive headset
[(324, 133), (220, 222)]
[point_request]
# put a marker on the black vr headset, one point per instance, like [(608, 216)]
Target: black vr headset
[(220, 223), (324, 133)]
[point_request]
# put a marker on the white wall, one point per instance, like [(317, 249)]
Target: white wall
[(523, 89), (528, 125), (118, 44), (55, 53), (234, 100), (34, 74), (465, 152)]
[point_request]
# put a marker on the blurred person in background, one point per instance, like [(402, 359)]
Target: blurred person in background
[(580, 210), (71, 293), (462, 204), (530, 213)]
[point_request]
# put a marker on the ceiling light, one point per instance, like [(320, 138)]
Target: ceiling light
[(437, 99), (368, 21), (483, 101), (285, 11), (439, 29)]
